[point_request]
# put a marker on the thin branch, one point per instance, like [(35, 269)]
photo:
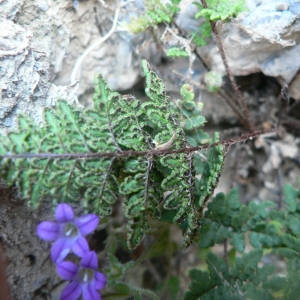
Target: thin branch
[(240, 98), (195, 50), (232, 105), (293, 123), (285, 99), (222, 92), (229, 142), (228, 71), (94, 45)]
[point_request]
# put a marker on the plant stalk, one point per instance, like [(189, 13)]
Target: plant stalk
[(154, 152), (241, 100)]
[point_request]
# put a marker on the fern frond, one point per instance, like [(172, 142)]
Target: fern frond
[(66, 130), (63, 158)]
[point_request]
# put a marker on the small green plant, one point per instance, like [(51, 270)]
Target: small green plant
[(155, 13), (215, 10), (177, 52), (269, 232), (220, 9), (204, 32)]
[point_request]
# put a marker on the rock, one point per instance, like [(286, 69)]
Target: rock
[(24, 76), (40, 42), (265, 39)]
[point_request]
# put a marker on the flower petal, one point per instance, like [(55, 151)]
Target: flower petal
[(66, 270), (90, 260), (71, 291), (64, 213), (87, 223), (80, 247), (89, 293), (100, 281), (48, 231), (60, 250)]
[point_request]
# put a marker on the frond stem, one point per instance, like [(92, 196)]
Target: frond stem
[(229, 142), (240, 98)]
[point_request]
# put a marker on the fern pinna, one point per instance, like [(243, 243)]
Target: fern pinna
[(94, 155)]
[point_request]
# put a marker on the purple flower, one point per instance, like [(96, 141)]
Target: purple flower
[(67, 232), (84, 279)]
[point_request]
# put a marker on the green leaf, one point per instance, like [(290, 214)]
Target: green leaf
[(177, 52), (254, 239), (136, 231), (221, 10), (201, 283), (207, 233), (275, 283), (238, 242), (188, 96), (211, 174), (194, 122), (290, 196), (155, 13), (233, 198), (294, 225), (286, 252)]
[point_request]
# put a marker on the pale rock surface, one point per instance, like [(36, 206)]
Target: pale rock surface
[(265, 39), (40, 42)]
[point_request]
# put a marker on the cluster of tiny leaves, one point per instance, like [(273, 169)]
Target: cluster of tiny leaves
[(155, 13), (204, 32), (220, 9), (116, 124), (177, 52), (268, 230), (191, 117), (216, 10)]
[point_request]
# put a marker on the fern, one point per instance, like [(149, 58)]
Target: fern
[(204, 32), (155, 13), (268, 230), (266, 226), (94, 155), (220, 9), (216, 10), (177, 52)]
